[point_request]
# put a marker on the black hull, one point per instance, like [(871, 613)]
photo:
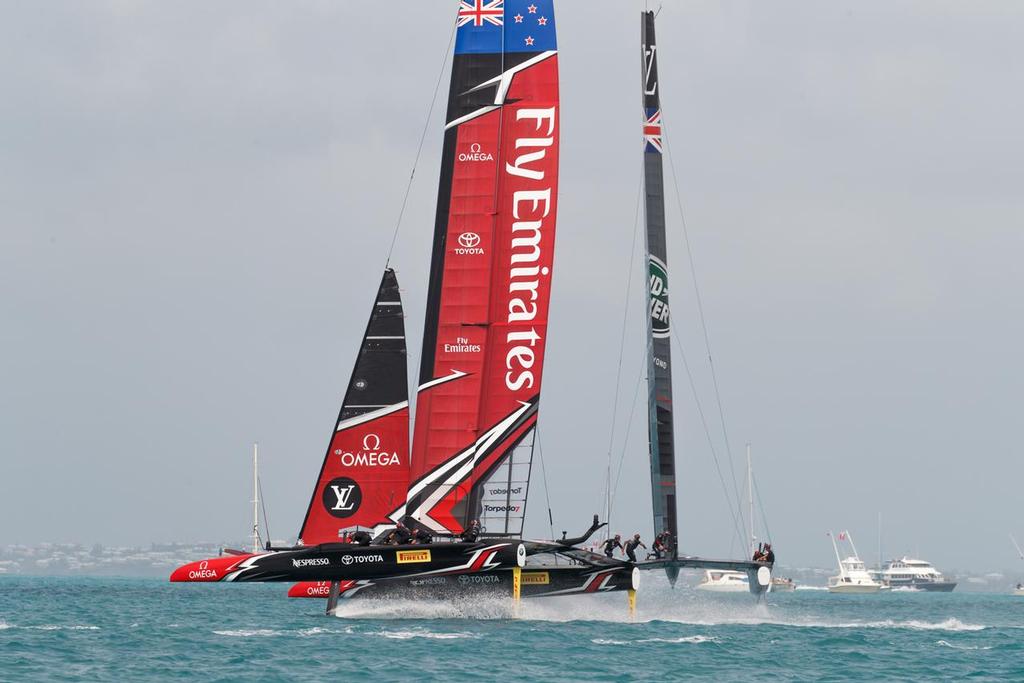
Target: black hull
[(535, 582), (345, 562)]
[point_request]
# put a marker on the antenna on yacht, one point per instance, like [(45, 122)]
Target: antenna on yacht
[(836, 548), (1019, 551), (256, 497), (850, 539)]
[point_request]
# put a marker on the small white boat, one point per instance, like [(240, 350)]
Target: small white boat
[(783, 585), (1019, 590), (853, 575), (724, 581)]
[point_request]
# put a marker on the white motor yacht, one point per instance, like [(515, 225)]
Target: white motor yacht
[(916, 575), (853, 575), (724, 581)]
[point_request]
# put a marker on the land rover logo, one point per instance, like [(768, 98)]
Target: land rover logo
[(342, 497), (469, 239), (660, 325)]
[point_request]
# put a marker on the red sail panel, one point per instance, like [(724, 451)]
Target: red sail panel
[(365, 473), (490, 282)]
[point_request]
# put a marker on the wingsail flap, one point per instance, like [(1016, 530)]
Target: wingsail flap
[(486, 322), (365, 473)]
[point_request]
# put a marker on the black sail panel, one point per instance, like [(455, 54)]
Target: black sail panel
[(659, 361)]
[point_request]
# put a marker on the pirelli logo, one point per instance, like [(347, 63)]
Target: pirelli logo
[(536, 578), (408, 556)]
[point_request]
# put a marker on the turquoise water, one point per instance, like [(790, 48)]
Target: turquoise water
[(148, 630)]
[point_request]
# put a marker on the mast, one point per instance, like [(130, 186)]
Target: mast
[(659, 365), (256, 497), (750, 499)]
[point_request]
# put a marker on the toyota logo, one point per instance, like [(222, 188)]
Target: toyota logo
[(347, 559), (469, 239)]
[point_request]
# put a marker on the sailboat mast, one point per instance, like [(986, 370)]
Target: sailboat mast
[(659, 362), (256, 497), (750, 499)]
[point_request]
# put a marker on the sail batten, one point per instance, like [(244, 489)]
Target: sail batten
[(661, 437)]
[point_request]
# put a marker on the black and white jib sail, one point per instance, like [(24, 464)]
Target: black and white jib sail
[(659, 361), (365, 473)]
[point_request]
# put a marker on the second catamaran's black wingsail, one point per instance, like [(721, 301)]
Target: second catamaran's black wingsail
[(659, 352)]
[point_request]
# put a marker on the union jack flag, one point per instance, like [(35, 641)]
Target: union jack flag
[(652, 130), (479, 11)]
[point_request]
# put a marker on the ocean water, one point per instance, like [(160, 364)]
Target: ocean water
[(92, 629)]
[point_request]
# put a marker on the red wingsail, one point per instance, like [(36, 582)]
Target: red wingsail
[(365, 474), (490, 281)]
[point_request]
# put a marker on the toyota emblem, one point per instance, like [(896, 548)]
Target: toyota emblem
[(469, 239)]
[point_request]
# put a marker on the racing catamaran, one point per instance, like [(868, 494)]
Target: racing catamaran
[(661, 439), (481, 365)]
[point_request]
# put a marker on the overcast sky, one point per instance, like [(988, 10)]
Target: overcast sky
[(196, 202)]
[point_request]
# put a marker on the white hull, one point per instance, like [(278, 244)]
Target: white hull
[(723, 588), (855, 588), (1019, 592), (716, 581)]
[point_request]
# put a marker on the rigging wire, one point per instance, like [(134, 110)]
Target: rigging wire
[(419, 148), (700, 309), (622, 346), (760, 506), (263, 504), (625, 439), (544, 475), (707, 434)]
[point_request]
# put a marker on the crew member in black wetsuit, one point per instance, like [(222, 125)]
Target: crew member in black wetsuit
[(611, 544), (400, 536), (658, 547), (422, 536), (472, 532), (631, 546), (769, 554)]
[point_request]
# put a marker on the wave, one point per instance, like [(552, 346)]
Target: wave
[(51, 627), (250, 632), (423, 633), (945, 643), (812, 588), (681, 639)]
